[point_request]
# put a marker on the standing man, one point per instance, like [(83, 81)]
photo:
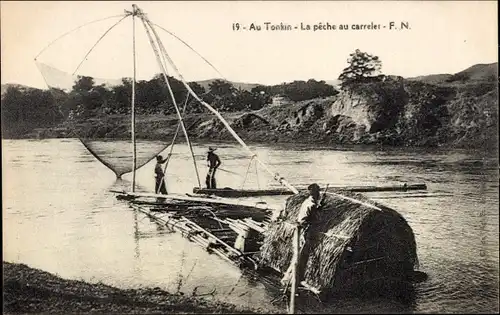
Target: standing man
[(160, 186), (305, 218), (213, 162)]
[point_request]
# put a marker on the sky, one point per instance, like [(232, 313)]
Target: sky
[(443, 37)]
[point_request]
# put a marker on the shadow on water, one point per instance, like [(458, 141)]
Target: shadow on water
[(123, 184), (137, 253)]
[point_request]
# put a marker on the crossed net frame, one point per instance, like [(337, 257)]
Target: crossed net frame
[(163, 59)]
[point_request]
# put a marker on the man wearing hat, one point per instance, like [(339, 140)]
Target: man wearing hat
[(307, 212), (213, 162), (160, 186)]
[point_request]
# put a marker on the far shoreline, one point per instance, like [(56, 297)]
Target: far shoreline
[(298, 145)]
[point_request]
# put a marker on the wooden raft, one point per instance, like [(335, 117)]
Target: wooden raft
[(214, 228)]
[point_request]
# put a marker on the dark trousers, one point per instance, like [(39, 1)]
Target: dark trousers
[(160, 186), (305, 248), (304, 253), (210, 180)]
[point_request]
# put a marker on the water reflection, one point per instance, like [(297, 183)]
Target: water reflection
[(136, 237)]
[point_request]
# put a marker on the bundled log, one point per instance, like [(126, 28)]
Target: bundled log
[(236, 193)]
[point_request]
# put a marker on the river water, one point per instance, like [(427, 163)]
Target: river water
[(59, 216)]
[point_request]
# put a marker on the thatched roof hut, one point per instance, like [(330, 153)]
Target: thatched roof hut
[(355, 241)]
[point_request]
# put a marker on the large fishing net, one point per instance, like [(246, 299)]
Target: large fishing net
[(97, 111)]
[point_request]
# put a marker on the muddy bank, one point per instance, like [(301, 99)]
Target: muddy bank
[(28, 290)]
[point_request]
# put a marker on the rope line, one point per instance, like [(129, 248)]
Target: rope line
[(164, 54), (100, 38), (355, 201), (158, 58), (258, 180), (146, 23), (172, 146), (132, 101), (176, 133), (77, 28), (178, 38), (248, 170)]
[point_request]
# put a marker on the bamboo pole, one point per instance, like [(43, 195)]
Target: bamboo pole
[(181, 122), (200, 200), (134, 147), (411, 196), (172, 149), (293, 289)]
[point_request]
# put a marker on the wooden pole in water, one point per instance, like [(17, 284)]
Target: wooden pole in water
[(134, 151), (293, 289)]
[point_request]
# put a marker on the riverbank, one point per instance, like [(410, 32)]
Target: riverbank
[(29, 290), (250, 128), (460, 111)]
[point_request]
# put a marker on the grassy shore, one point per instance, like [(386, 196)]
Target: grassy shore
[(29, 290)]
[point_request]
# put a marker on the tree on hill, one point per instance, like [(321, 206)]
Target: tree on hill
[(86, 96), (362, 65), (246, 100), (197, 88), (121, 95), (83, 84), (303, 90), (221, 88), (261, 88), (24, 110)]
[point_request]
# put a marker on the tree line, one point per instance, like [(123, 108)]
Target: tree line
[(87, 99), (24, 109), (299, 90)]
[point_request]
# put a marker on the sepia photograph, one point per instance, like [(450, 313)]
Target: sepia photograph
[(250, 157)]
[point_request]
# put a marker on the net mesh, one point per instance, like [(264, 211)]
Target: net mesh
[(97, 110)]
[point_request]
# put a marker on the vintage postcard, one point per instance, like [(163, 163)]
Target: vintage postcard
[(250, 156)]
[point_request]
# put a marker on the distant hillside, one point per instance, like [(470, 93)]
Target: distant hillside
[(475, 74), (250, 86), (432, 79), (479, 72), (439, 110), (242, 85)]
